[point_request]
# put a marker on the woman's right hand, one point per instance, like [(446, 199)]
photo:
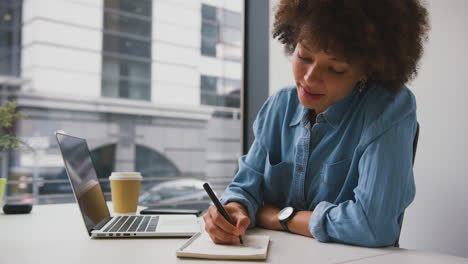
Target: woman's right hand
[(220, 230)]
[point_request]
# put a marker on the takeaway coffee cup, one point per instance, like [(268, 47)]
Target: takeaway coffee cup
[(125, 188)]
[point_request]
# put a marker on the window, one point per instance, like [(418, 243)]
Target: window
[(230, 33), (209, 31), (221, 30), (126, 62), (127, 46), (129, 77), (125, 78), (221, 40), (10, 21), (124, 23), (208, 86), (134, 7), (219, 92), (231, 19)]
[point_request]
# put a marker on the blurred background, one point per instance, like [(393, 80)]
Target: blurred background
[(154, 87)]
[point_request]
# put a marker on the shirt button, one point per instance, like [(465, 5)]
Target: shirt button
[(300, 168)]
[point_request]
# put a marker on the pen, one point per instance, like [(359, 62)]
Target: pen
[(218, 205)]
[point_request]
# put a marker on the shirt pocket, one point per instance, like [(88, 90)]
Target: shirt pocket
[(277, 181), (333, 176)]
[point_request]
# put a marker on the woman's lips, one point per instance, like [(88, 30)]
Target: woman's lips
[(311, 96)]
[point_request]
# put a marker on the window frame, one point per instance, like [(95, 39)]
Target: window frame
[(255, 66)]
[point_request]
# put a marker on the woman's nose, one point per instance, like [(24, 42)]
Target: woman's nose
[(313, 73)]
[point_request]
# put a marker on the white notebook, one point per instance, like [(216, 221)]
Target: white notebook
[(200, 245)]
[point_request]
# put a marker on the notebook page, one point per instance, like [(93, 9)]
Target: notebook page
[(253, 246)]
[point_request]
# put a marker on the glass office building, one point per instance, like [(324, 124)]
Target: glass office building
[(154, 86)]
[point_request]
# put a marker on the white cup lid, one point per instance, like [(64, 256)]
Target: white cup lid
[(125, 176)]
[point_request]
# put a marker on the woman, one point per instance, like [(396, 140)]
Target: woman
[(334, 151)]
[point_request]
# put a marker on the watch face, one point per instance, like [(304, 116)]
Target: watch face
[(285, 213)]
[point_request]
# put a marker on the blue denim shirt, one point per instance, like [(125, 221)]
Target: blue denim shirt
[(352, 168)]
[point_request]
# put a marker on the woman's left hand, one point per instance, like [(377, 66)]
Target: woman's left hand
[(267, 217)]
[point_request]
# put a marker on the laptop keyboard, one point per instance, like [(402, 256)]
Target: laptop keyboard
[(134, 223)]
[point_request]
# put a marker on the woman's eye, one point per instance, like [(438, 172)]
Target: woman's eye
[(304, 58), (336, 71)]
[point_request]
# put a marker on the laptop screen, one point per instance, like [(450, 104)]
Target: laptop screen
[(83, 178)]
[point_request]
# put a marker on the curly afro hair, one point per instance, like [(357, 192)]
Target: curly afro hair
[(384, 37)]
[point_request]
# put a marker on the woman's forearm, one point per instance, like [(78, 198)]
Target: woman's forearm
[(267, 217), (299, 224)]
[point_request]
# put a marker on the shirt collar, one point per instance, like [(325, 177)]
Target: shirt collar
[(299, 115), (333, 114)]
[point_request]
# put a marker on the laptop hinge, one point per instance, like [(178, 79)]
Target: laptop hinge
[(102, 223)]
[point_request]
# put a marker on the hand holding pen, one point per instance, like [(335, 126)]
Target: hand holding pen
[(225, 225)]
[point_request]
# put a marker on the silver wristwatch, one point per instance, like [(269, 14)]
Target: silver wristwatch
[(285, 215)]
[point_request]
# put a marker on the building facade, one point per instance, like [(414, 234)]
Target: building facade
[(154, 86)]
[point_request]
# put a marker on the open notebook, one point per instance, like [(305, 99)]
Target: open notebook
[(200, 245)]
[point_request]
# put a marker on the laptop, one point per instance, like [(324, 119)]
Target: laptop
[(98, 221)]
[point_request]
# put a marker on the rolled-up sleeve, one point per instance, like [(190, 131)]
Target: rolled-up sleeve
[(385, 188), (246, 186)]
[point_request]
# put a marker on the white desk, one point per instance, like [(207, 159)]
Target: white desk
[(40, 237)]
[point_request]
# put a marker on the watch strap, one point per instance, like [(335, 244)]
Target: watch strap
[(284, 223)]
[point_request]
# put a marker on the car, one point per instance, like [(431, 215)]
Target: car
[(180, 193)]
